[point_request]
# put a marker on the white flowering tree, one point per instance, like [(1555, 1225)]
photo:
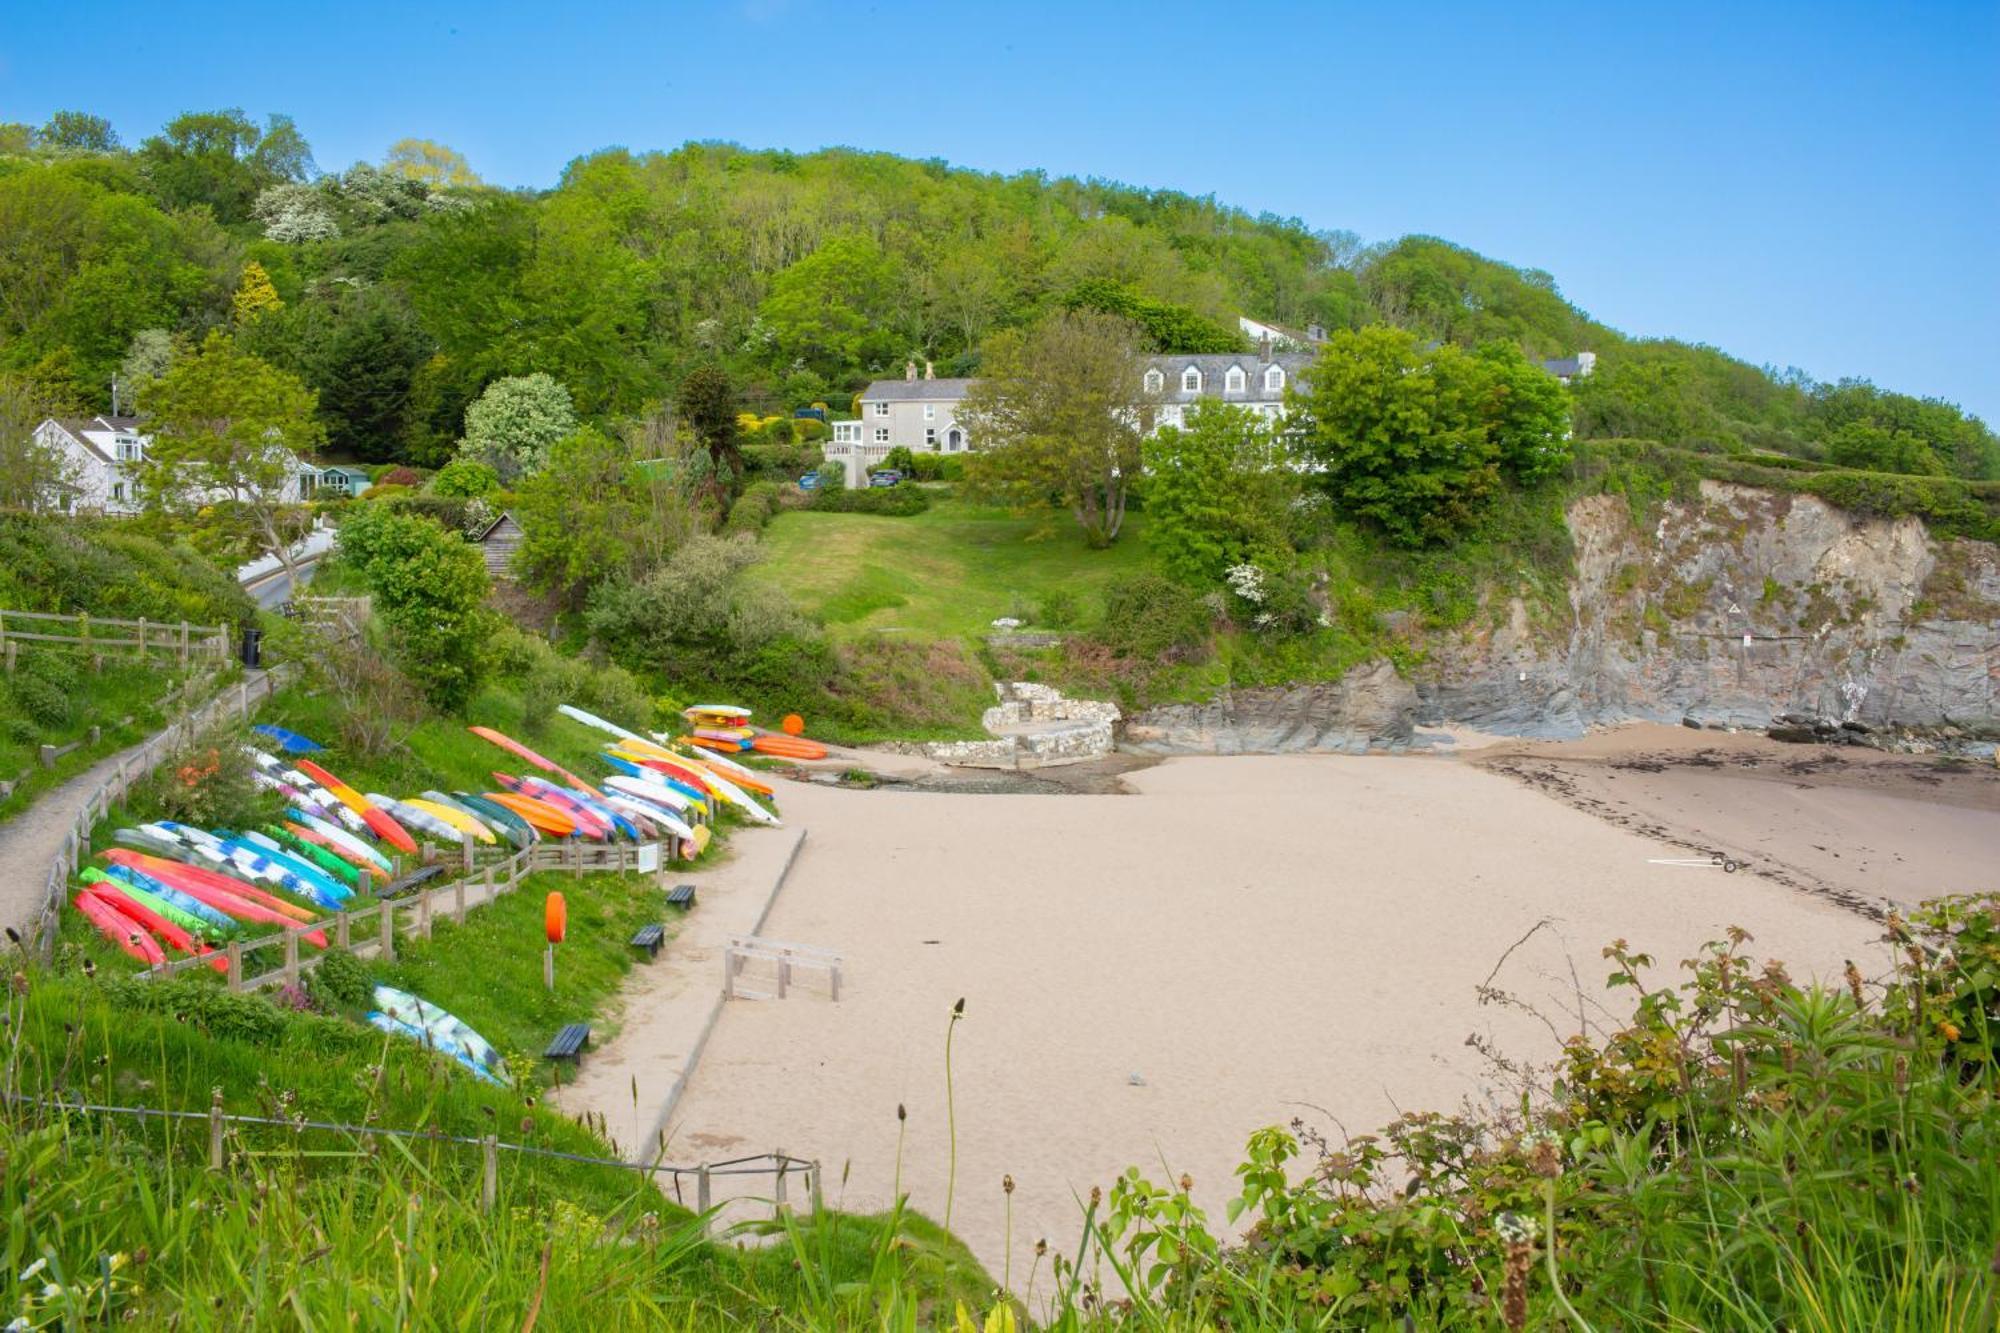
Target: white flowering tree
[(511, 425), (293, 214)]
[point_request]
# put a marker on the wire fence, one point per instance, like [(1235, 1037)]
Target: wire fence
[(777, 1164)]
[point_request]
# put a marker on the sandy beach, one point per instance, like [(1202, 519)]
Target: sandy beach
[(1150, 977)]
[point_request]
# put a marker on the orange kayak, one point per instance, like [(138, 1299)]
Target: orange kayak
[(378, 819), (545, 817), (788, 747), (520, 751)]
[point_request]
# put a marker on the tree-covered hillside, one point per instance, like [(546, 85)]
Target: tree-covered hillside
[(399, 291)]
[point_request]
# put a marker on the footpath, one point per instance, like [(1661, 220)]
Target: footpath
[(32, 839), (669, 1006)]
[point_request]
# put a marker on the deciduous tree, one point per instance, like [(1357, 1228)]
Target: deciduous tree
[(1058, 413), (78, 131), (432, 163), (430, 587), (1216, 491), (512, 424)]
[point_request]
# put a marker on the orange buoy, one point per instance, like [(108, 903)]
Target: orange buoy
[(555, 918), (794, 725)]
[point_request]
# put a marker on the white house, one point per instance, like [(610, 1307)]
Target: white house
[(915, 413), (1567, 368), (1283, 339), (100, 457), (1256, 380)]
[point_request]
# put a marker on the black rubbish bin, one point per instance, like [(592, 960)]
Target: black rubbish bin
[(253, 645)]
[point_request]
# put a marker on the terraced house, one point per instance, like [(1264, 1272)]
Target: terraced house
[(1256, 380), (918, 413)]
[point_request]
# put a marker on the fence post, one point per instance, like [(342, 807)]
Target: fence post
[(291, 957), (424, 915), (385, 917), (465, 843), (458, 902), (181, 645), (701, 1194), (142, 636), (779, 1206), (236, 965), (489, 1184), (812, 1186), (215, 1130)]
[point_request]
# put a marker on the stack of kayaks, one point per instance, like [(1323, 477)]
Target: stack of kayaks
[(726, 728), (685, 785)]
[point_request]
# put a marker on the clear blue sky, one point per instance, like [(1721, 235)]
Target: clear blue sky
[(1800, 184)]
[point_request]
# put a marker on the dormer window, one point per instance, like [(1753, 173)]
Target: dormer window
[(1155, 381), (1191, 380), (129, 449), (1274, 379), (1233, 381)]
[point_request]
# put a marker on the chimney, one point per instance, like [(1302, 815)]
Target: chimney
[(909, 370), (929, 374), (1585, 362), (1316, 332), (1264, 349)]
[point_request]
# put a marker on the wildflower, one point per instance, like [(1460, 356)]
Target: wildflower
[(1187, 1183), (1544, 1154), (1948, 1029), (1854, 983), (1007, 1184), (1519, 1235)]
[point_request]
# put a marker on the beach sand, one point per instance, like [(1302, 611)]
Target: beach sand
[(1149, 978)]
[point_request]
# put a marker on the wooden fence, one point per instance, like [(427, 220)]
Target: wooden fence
[(134, 766), (374, 929), (95, 636)]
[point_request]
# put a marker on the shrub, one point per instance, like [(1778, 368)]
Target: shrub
[(341, 981), (900, 501), (1151, 616), (1058, 610), (215, 1011), (788, 460), (753, 508), (47, 704), (465, 477), (400, 476), (205, 780)]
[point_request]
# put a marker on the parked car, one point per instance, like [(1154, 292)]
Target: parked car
[(809, 482), (886, 477)]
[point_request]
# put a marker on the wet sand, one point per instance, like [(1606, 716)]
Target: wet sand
[(1150, 977)]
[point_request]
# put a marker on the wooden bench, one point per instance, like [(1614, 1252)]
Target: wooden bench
[(414, 880), (569, 1044), (650, 938), (681, 896)]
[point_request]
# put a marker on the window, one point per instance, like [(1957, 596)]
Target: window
[(881, 435), (129, 449), (930, 436), (881, 409), (930, 411), (1233, 381), (1274, 379), (1155, 381), (1191, 380), (118, 491)]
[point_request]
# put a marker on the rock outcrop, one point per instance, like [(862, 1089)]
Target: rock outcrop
[(1737, 608), (1034, 726)]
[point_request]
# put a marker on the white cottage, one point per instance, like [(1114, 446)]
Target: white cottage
[(915, 413), (100, 459), (1256, 380)]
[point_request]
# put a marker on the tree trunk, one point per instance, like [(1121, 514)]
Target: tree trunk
[(1114, 509)]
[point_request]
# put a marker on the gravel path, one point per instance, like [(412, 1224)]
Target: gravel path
[(30, 840)]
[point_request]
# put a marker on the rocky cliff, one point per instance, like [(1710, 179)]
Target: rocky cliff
[(1740, 607)]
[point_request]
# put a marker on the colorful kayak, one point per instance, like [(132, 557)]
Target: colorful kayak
[(224, 894), (335, 866), (384, 827), (163, 928), (567, 797), (322, 888), (545, 818), (520, 751), (290, 741), (464, 824), (192, 924), (587, 822), (417, 821), (480, 822), (348, 844), (593, 720), (296, 795), (120, 929), (717, 715), (682, 800), (442, 1030), (680, 769), (518, 830), (656, 814), (320, 801), (708, 761), (191, 912)]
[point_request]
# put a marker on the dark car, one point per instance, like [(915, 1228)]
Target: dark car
[(886, 477)]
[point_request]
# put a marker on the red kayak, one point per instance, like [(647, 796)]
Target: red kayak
[(238, 900), (378, 819), (120, 929), (180, 875), (174, 936), (587, 821)]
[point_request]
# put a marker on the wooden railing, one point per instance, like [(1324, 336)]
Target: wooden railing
[(374, 929), (187, 642), (238, 700)]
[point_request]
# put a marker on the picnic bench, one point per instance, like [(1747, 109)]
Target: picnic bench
[(569, 1044), (649, 939), (681, 896)]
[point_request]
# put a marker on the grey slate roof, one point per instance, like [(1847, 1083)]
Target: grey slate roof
[(1562, 366), (76, 428), (915, 391), (1214, 367)]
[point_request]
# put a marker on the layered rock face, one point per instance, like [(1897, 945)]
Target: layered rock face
[(1739, 608)]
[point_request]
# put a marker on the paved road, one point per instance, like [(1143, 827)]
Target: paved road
[(276, 588)]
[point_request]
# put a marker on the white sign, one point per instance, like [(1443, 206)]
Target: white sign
[(1746, 641)]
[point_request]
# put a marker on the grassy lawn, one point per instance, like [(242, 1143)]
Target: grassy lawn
[(945, 573), (125, 689)]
